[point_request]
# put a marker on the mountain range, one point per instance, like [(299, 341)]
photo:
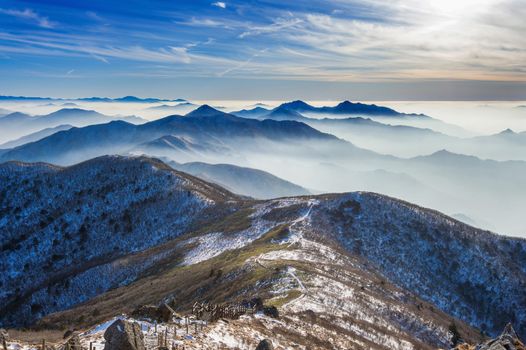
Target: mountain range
[(34, 136), (354, 270), (91, 99), (18, 124), (298, 110), (370, 128), (241, 180), (299, 153)]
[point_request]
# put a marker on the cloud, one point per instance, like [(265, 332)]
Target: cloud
[(220, 4), (278, 25), (94, 16), (242, 64), (78, 45), (100, 58), (344, 40), (29, 14), (204, 22)]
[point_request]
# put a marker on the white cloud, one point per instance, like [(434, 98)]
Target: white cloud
[(220, 4), (100, 58), (277, 25), (243, 63), (29, 14)]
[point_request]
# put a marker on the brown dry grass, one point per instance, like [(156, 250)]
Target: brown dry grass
[(185, 284)]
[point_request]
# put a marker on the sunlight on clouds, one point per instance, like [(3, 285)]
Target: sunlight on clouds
[(344, 41)]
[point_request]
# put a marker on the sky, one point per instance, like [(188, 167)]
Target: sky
[(269, 49)]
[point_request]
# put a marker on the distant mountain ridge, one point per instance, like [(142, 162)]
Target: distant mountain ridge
[(205, 125), (18, 124), (92, 99), (298, 110), (242, 180), (35, 136)]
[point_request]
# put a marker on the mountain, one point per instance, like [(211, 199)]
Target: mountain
[(345, 107), (91, 99), (255, 112), (298, 106), (17, 124), (283, 113), (244, 181), (4, 111), (506, 145), (299, 153), (372, 111), (400, 140), (23, 98), (171, 109), (128, 99), (35, 136), (116, 233), (205, 111), (207, 126)]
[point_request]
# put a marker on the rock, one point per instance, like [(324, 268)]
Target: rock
[(67, 334), (165, 314), (508, 340), (3, 335), (74, 342), (150, 312), (265, 344), (153, 313), (271, 311), (124, 335)]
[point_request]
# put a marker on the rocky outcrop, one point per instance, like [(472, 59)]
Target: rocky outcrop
[(265, 344), (124, 335), (153, 313), (4, 336), (508, 340)]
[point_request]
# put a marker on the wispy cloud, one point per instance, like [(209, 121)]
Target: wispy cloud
[(243, 63), (100, 58), (220, 4), (30, 15), (278, 25), (343, 40)]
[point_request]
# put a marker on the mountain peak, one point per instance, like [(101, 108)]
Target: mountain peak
[(205, 111), (345, 103), (298, 105), (72, 110), (507, 131)]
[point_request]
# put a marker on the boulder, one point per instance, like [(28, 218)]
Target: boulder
[(165, 314), (271, 311), (265, 344), (150, 312), (153, 313), (124, 335)]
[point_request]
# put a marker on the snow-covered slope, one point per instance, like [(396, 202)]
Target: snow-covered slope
[(358, 270), (63, 227)]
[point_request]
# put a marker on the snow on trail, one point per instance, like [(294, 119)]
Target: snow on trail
[(291, 271), (297, 235)]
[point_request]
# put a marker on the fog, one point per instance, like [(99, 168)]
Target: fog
[(488, 191)]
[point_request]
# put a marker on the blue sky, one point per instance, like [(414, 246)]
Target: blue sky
[(333, 49)]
